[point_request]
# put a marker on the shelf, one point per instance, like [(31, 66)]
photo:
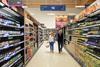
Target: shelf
[(92, 46), (10, 18), (85, 36), (87, 45), (10, 11), (77, 35), (21, 65), (10, 14), (2, 39), (93, 55), (92, 35), (10, 26), (93, 14), (5, 61), (2, 50), (91, 26), (83, 19), (12, 36), (85, 27), (10, 29), (15, 62)]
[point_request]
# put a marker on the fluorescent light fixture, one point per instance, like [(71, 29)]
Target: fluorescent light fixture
[(71, 14), (79, 6), (52, 14)]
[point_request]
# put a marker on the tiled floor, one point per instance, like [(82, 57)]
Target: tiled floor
[(43, 58)]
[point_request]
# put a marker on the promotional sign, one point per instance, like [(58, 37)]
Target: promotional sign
[(52, 7), (61, 21)]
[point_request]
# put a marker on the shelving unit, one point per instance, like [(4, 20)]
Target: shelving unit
[(40, 35), (11, 38), (31, 37), (84, 44)]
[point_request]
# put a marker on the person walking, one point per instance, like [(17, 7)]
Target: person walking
[(51, 41), (60, 40)]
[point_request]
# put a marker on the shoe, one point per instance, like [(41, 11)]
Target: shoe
[(59, 51), (52, 51)]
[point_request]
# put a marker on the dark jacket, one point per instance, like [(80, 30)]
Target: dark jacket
[(60, 38)]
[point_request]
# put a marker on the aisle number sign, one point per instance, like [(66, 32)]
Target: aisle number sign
[(61, 21)]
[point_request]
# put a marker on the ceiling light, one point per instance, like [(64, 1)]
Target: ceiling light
[(50, 14), (79, 6)]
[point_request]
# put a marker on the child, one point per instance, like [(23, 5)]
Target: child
[(51, 41)]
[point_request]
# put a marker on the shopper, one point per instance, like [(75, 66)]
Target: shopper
[(51, 41), (60, 40)]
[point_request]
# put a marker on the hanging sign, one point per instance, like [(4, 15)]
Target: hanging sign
[(52, 7)]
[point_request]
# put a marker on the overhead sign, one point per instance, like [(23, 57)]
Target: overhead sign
[(52, 7)]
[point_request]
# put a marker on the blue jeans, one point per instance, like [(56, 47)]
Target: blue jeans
[(51, 45)]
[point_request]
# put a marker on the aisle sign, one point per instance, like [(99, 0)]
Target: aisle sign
[(52, 7)]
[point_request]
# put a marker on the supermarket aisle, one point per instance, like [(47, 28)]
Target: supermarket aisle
[(44, 58)]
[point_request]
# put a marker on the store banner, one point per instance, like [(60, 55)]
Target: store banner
[(61, 21), (52, 7)]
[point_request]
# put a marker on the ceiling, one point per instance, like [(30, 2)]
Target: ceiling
[(49, 20), (68, 3)]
